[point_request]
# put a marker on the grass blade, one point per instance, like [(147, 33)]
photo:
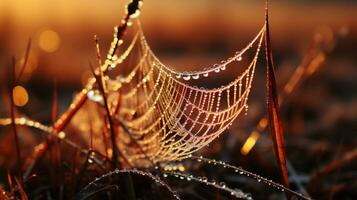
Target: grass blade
[(22, 192), (13, 113), (274, 120), (27, 54)]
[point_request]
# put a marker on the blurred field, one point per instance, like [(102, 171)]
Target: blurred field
[(174, 28)]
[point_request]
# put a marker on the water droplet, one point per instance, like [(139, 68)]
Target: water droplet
[(222, 184), (239, 58), (186, 76), (178, 75), (95, 96), (217, 70), (196, 76), (205, 74), (223, 67)]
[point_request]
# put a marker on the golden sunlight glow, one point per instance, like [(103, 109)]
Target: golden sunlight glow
[(49, 41), (20, 96)]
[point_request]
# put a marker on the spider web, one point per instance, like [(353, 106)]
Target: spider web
[(162, 112)]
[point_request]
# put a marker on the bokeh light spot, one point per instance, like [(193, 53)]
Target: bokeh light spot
[(49, 41), (20, 96), (61, 135), (249, 143)]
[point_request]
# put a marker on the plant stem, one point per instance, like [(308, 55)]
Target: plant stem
[(275, 123), (12, 112)]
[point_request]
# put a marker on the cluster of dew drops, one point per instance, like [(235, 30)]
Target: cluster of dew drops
[(216, 68)]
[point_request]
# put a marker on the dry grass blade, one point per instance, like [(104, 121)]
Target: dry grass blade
[(3, 194), (9, 181), (312, 61), (41, 149), (12, 113), (54, 103), (28, 48), (275, 124), (102, 88), (37, 154), (22, 192), (346, 159)]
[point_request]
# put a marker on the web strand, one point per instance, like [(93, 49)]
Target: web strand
[(169, 118)]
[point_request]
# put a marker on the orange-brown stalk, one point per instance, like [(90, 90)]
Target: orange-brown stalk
[(12, 113), (275, 123), (312, 61)]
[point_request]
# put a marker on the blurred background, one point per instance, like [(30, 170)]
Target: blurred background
[(62, 31), (320, 116)]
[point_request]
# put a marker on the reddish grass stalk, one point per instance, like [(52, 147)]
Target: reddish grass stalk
[(28, 48), (12, 113), (54, 103), (56, 150), (104, 136), (311, 62), (102, 89), (275, 123), (9, 181), (347, 158), (3, 194), (21, 190)]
